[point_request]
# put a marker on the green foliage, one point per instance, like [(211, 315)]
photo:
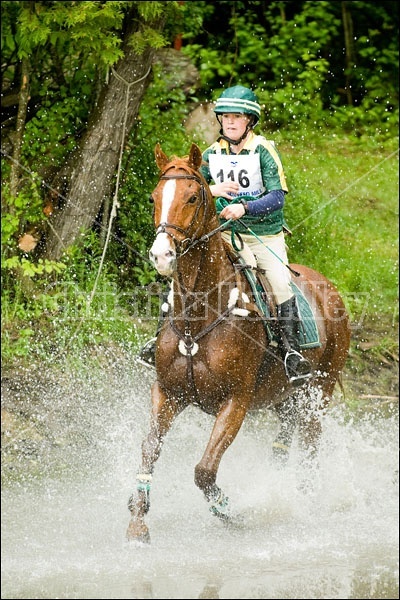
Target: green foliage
[(19, 210), (293, 56), (68, 307), (343, 209), (71, 28), (140, 40), (52, 133), (30, 269), (64, 320)]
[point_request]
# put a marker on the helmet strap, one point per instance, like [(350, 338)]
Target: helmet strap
[(250, 125)]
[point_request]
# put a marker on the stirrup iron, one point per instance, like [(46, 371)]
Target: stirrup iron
[(300, 372)]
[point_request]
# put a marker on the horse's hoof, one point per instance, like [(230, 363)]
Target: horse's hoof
[(138, 532)]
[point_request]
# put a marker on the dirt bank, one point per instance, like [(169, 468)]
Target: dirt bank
[(371, 376)]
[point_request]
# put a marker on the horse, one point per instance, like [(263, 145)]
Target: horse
[(213, 350)]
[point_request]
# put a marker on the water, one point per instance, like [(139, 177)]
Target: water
[(64, 507)]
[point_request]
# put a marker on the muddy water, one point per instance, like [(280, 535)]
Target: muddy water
[(64, 506)]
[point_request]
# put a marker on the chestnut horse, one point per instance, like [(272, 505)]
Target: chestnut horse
[(213, 350)]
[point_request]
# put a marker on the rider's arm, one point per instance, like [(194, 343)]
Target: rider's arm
[(266, 204)]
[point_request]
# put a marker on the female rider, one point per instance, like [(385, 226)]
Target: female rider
[(245, 174)]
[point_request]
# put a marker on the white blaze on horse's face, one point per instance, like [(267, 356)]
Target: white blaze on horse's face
[(162, 253)]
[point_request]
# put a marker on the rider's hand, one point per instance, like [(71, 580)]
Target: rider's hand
[(227, 189), (232, 211)]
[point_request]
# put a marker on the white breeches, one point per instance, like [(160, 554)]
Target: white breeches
[(256, 253)]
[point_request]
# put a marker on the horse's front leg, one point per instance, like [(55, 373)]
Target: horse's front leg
[(226, 427), (164, 410)]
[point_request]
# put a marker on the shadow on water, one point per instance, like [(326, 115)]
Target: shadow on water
[(64, 505)]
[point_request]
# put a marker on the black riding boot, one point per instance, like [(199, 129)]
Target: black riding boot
[(147, 355), (298, 368)]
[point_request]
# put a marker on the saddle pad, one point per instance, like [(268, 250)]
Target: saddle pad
[(308, 335)]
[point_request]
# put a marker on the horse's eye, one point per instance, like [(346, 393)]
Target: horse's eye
[(151, 199), (192, 199)]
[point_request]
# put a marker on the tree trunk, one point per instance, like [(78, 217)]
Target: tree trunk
[(91, 169), (348, 41), (19, 129)]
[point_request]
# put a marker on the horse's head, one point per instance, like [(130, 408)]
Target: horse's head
[(182, 208)]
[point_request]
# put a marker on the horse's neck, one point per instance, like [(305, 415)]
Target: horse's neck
[(205, 272)]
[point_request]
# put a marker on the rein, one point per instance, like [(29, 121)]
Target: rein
[(189, 341)]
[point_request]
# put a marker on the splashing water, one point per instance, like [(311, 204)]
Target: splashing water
[(331, 533)]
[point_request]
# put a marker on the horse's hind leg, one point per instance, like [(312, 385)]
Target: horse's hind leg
[(163, 413), (310, 424), (288, 414)]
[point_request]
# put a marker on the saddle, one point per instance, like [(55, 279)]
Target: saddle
[(308, 336)]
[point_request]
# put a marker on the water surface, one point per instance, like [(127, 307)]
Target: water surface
[(332, 533)]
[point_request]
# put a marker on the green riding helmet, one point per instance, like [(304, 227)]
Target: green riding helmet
[(238, 99)]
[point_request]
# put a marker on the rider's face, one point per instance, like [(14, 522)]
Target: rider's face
[(234, 125)]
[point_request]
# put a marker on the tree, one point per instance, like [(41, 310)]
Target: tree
[(90, 172), (99, 52), (62, 135)]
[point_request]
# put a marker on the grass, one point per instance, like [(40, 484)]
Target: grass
[(343, 211)]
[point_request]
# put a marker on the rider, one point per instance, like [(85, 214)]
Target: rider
[(245, 174)]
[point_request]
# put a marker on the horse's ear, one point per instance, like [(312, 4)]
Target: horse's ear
[(161, 158), (195, 157)]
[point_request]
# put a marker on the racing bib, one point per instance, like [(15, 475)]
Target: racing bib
[(242, 169)]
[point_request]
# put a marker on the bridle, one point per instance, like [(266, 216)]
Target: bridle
[(189, 241), (182, 246)]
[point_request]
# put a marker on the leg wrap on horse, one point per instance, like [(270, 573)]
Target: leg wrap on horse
[(143, 484), (219, 503)]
